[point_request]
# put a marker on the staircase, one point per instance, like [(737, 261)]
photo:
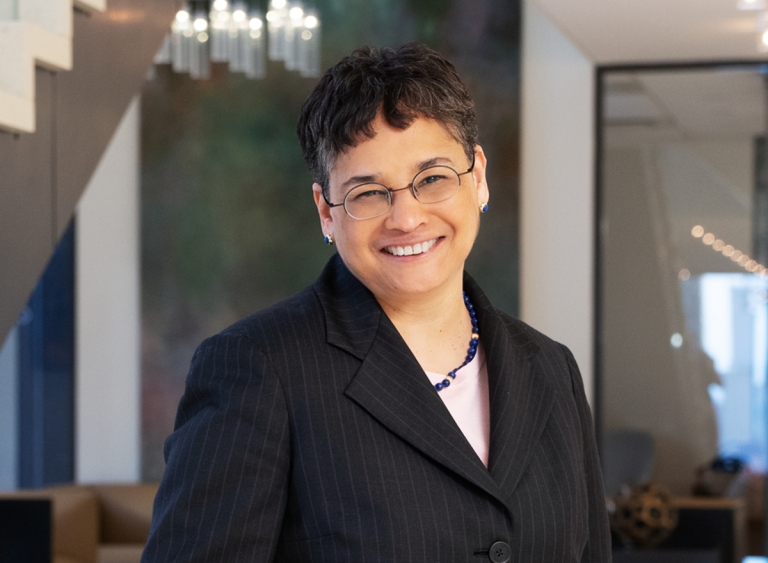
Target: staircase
[(62, 120), (33, 33)]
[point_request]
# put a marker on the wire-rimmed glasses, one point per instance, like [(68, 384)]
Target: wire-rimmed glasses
[(431, 185)]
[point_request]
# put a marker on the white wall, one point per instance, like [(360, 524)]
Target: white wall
[(557, 189), (108, 385)]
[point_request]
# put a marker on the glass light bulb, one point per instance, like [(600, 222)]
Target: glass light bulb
[(220, 5), (279, 4), (182, 16), (201, 24), (199, 61), (296, 13), (252, 47), (238, 15), (180, 49), (308, 47)]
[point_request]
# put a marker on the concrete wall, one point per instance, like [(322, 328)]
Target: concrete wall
[(108, 326), (556, 189)]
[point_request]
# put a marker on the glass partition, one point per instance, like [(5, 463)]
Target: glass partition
[(682, 292)]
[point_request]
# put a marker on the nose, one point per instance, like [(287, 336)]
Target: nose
[(406, 213)]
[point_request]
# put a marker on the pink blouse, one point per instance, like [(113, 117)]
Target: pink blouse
[(467, 401)]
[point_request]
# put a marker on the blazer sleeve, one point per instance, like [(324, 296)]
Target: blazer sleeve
[(598, 548), (223, 494)]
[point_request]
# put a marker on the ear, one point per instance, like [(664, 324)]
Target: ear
[(478, 172), (326, 221)]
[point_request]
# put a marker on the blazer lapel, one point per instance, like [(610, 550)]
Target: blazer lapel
[(520, 397), (393, 388), (390, 384)]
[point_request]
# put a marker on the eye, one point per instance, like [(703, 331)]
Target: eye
[(366, 192), (431, 178)]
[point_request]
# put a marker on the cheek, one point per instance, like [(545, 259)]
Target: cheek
[(352, 238)]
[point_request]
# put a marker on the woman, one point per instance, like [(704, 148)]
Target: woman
[(388, 412)]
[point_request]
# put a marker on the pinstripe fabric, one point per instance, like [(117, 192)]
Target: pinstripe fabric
[(308, 433)]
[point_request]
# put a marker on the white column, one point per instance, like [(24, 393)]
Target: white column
[(557, 188), (108, 382)]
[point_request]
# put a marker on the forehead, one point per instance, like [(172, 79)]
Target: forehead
[(393, 152)]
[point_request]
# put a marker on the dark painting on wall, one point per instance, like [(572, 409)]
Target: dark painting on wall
[(228, 221)]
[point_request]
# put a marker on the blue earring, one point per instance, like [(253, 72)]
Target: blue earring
[(484, 208), (328, 239)]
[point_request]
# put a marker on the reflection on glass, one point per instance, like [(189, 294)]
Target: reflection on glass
[(732, 313), (683, 311)]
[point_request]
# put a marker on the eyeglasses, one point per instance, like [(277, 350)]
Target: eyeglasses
[(431, 185)]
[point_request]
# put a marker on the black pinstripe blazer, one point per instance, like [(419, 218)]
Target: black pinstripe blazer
[(309, 433)]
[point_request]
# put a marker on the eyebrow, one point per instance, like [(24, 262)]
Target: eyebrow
[(357, 180)]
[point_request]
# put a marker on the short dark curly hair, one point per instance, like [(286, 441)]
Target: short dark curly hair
[(403, 84)]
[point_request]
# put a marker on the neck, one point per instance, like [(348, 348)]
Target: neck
[(436, 327)]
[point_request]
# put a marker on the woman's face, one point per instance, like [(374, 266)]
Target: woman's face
[(447, 229)]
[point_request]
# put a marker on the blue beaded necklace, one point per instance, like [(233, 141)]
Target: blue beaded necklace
[(472, 345)]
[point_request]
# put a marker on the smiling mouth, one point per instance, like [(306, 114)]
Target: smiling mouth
[(418, 248)]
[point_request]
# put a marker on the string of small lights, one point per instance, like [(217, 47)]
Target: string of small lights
[(728, 251)]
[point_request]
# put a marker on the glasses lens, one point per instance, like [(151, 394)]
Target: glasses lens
[(437, 183), (366, 201)]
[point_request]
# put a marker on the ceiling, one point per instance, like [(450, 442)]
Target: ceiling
[(716, 103), (696, 131), (657, 31)]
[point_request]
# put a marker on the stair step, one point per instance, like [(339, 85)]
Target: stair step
[(41, 36)]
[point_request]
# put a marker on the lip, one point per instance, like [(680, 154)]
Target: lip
[(415, 249)]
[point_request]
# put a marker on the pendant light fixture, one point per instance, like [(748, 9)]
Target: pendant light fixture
[(223, 31)]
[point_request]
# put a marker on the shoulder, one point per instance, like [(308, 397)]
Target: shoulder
[(302, 309), (555, 359), (537, 341)]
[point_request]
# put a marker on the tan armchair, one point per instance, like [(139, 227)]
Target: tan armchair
[(97, 523)]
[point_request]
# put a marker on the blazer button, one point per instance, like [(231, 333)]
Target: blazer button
[(500, 552)]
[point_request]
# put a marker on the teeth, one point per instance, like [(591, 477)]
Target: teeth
[(418, 248)]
